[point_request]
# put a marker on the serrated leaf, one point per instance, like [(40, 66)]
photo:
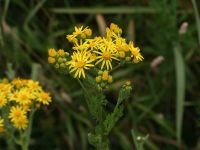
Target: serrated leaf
[(111, 119)]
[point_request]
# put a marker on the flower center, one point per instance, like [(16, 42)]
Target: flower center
[(80, 64), (23, 96), (43, 96), (106, 55), (17, 114)]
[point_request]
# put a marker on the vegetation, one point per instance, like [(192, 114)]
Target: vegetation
[(162, 111)]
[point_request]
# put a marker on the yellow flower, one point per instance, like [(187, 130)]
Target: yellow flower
[(115, 28), (5, 90), (135, 52), (18, 117), (105, 75), (72, 38), (21, 122), (122, 54), (81, 46), (88, 32), (110, 79), (51, 60), (94, 43), (98, 79), (34, 85), (121, 45), (18, 83), (26, 108), (3, 99), (52, 52), (83, 33), (113, 31), (43, 98), (16, 112), (79, 63), (78, 31), (61, 52), (24, 96), (106, 53), (5, 87)]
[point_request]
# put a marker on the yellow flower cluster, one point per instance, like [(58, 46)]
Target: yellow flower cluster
[(18, 98), (97, 54)]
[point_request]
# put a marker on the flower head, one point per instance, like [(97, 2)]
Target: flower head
[(21, 122), (80, 61), (16, 112), (135, 53), (81, 32), (24, 96), (3, 99), (106, 54), (52, 52), (44, 98), (114, 31)]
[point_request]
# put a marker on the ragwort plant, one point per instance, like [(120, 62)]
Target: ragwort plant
[(91, 62), (19, 99)]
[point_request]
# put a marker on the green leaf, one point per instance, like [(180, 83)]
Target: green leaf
[(111, 119), (95, 105)]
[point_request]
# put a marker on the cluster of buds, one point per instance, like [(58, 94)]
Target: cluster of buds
[(103, 78), (58, 58)]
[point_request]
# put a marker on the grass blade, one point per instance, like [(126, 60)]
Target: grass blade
[(155, 117), (180, 89), (135, 139), (33, 12), (197, 18), (108, 10)]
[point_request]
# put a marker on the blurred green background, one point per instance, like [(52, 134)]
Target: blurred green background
[(165, 101)]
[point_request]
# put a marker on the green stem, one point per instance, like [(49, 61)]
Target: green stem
[(10, 142), (9, 131), (101, 126), (83, 87), (102, 144), (25, 136), (85, 92)]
